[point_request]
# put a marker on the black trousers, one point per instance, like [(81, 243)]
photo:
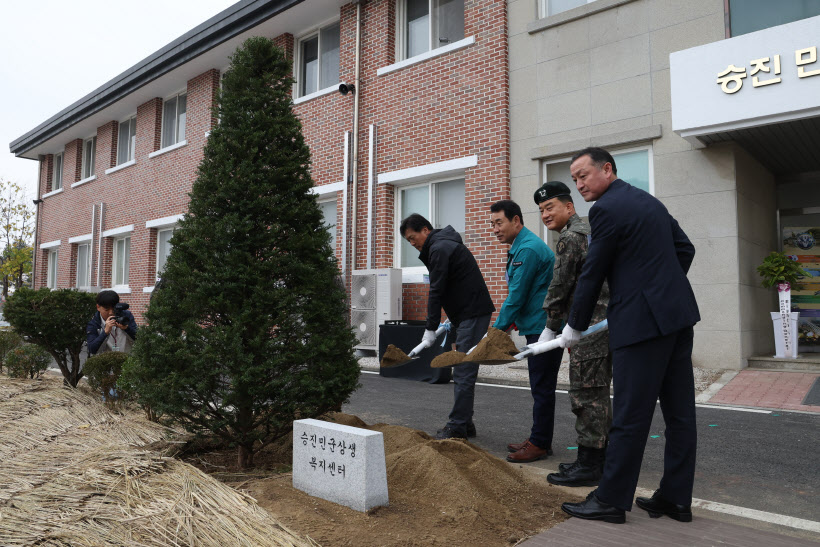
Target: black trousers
[(659, 368), (543, 371)]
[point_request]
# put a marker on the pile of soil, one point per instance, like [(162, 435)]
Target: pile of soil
[(393, 356), (495, 349), (441, 493)]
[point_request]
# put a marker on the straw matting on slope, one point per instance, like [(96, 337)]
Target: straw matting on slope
[(76, 473)]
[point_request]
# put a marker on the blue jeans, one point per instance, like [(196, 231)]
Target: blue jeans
[(543, 371), (468, 333)]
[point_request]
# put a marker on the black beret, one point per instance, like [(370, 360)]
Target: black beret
[(549, 190)]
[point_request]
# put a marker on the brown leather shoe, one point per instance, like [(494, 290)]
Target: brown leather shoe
[(528, 453), (515, 447)]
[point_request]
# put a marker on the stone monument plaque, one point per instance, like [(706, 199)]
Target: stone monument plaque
[(340, 463)]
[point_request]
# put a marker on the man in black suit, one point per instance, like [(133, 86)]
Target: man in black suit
[(644, 255)]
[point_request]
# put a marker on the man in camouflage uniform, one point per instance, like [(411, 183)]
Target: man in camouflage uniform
[(590, 363)]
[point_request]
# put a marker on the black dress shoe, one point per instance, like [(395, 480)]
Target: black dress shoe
[(449, 433), (594, 509), (471, 430), (656, 506)]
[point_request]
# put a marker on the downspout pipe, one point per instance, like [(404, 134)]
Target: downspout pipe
[(37, 203), (357, 71)]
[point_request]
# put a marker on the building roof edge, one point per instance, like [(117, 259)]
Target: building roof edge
[(223, 26)]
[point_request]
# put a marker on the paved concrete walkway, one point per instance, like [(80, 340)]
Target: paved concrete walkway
[(639, 529)]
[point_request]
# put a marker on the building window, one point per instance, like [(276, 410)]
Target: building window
[(57, 179), (51, 274), (747, 16), (163, 249), (173, 120), (442, 203), (319, 60), (127, 140), (329, 214), (120, 261), (424, 25), (83, 265), (553, 7), (634, 166), (89, 154)]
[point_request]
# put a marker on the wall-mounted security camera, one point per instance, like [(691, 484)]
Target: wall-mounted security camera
[(344, 89)]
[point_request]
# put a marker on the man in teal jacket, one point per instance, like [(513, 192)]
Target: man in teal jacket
[(529, 273)]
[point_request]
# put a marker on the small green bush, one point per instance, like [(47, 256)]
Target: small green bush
[(103, 371), (27, 361), (9, 340)]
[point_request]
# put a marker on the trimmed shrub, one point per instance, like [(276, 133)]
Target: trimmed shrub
[(54, 320), (27, 361), (103, 371), (9, 340)]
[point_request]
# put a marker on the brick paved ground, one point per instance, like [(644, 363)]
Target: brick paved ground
[(768, 389), (639, 529)]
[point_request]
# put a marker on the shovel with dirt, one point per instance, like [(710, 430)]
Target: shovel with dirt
[(395, 357), (497, 348)]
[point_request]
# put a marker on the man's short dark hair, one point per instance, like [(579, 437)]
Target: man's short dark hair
[(414, 222), (599, 157), (108, 299), (510, 208), (565, 199)]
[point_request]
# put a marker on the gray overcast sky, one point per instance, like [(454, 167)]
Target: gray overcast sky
[(54, 52)]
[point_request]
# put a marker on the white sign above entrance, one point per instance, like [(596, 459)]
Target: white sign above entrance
[(760, 78)]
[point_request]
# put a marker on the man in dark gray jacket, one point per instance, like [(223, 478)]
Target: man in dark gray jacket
[(456, 284)]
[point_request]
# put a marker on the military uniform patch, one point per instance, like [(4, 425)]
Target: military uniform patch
[(561, 247)]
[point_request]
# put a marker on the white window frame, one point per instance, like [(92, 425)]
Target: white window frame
[(132, 145), (176, 140), (328, 198), (87, 171), (432, 31), (120, 287), (57, 173), (432, 217), (543, 8), (298, 71), (156, 263), (88, 265), (52, 264)]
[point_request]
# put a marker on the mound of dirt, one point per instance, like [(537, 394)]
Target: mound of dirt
[(393, 356), (441, 493), (495, 349)]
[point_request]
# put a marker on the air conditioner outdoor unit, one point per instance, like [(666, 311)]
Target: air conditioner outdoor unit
[(375, 298)]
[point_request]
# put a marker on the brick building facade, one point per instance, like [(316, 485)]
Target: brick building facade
[(433, 138)]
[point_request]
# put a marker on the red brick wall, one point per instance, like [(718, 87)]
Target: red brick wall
[(451, 106), (152, 188), (444, 108)]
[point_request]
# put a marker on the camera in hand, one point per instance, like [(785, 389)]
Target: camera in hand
[(119, 316)]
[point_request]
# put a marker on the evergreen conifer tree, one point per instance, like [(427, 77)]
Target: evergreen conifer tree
[(249, 330)]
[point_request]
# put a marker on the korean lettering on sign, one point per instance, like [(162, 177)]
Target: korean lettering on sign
[(766, 71), (330, 446)]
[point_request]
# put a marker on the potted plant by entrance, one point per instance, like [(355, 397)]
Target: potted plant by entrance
[(783, 272)]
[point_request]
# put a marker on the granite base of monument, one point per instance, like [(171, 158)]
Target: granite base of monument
[(340, 463)]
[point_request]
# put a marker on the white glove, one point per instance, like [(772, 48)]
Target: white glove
[(547, 335), (427, 341), (569, 337)]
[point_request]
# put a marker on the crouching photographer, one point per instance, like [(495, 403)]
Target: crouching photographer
[(113, 327)]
